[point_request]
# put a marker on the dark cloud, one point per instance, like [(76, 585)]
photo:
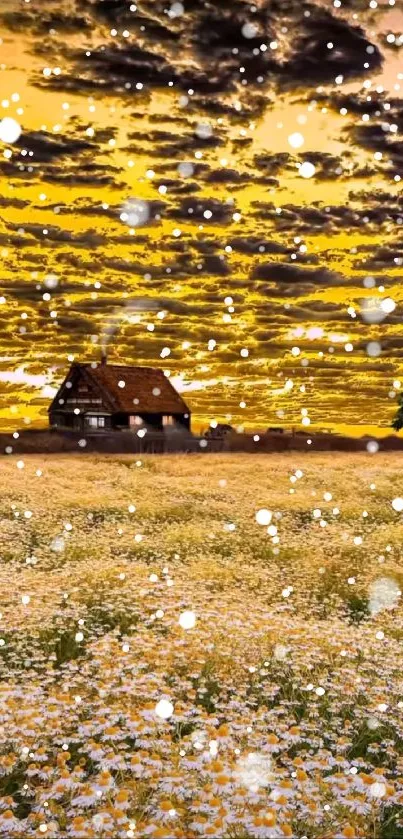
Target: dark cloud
[(164, 144), (42, 154), (86, 265), (314, 63), (49, 22), (378, 198), (247, 108), (330, 217), (195, 209), (117, 12), (15, 203), (280, 272), (215, 265), (204, 48), (378, 137), (56, 235), (381, 127), (90, 174), (255, 245), (388, 256), (117, 69), (318, 311), (273, 164), (153, 276), (353, 103), (177, 187), (330, 168), (41, 147), (228, 176), (84, 207)]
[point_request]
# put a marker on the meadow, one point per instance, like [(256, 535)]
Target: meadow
[(172, 667)]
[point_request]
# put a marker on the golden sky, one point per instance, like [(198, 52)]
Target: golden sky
[(155, 200)]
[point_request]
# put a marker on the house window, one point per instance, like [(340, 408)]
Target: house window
[(96, 422), (168, 420), (135, 421)]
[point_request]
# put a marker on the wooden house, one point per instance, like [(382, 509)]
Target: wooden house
[(104, 397)]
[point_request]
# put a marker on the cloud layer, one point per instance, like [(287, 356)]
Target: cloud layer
[(202, 115)]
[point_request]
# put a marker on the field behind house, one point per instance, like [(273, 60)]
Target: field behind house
[(287, 694)]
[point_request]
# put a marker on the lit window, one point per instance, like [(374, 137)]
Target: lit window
[(96, 422), (135, 420), (168, 420)]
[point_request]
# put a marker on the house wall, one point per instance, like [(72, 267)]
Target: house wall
[(122, 420), (77, 392), (60, 419), (106, 427), (153, 421), (185, 420), (156, 420), (76, 422)]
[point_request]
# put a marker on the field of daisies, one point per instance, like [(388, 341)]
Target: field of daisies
[(205, 645)]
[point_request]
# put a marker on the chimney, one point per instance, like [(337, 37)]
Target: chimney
[(104, 358)]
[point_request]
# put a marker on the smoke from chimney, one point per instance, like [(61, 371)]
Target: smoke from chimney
[(122, 313)]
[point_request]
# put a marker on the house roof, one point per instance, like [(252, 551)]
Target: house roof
[(148, 385)]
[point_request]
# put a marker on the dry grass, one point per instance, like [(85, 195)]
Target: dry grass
[(287, 693)]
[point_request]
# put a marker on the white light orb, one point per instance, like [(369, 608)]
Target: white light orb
[(263, 517), (388, 305), (135, 212), (397, 504), (10, 130), (187, 620), (185, 170), (374, 349), (58, 544), (372, 311), (164, 709), (51, 280), (307, 169), (296, 140), (377, 790), (254, 771), (384, 593), (176, 10), (249, 30), (204, 130)]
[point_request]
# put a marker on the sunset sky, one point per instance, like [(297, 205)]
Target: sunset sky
[(155, 202)]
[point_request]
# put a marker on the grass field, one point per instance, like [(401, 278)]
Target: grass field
[(279, 713)]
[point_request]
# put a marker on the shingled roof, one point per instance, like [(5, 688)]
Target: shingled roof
[(148, 385)]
